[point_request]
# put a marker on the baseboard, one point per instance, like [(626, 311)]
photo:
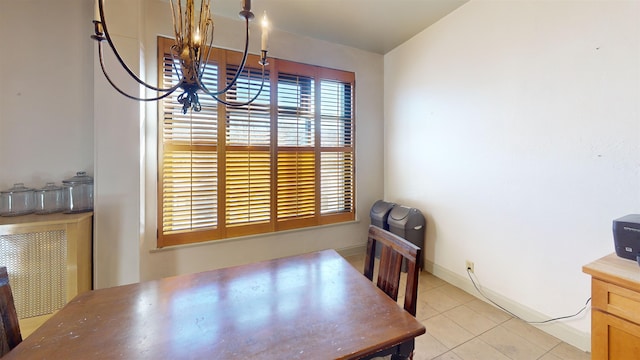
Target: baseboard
[(566, 333), (570, 335), (352, 250)]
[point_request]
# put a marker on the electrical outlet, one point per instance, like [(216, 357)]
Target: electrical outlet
[(469, 265)]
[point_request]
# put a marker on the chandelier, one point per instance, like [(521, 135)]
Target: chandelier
[(193, 42)]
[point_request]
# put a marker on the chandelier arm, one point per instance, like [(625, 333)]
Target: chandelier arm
[(104, 71), (173, 17), (205, 11), (173, 62), (236, 104), (204, 64), (180, 18), (238, 72), (244, 58), (117, 55), (190, 69)]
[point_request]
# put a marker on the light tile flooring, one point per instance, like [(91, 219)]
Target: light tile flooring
[(462, 327)]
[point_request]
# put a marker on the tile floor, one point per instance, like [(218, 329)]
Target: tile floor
[(463, 327)]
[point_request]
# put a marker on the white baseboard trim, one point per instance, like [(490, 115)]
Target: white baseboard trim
[(566, 333)]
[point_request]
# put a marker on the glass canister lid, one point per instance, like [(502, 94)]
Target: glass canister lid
[(17, 188), (80, 178), (50, 186)]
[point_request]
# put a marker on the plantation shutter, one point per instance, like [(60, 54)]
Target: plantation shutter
[(296, 198), (248, 155), (285, 161), (189, 166), (337, 160)]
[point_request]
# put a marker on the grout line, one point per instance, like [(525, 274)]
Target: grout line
[(463, 303)]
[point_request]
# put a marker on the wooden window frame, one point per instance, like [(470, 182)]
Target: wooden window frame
[(337, 153)]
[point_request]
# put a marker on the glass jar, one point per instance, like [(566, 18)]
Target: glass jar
[(19, 200), (77, 193), (49, 199)]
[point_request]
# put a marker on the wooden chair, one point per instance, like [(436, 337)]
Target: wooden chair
[(393, 250), (9, 326)]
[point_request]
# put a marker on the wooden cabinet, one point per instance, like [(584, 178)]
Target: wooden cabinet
[(615, 315), (49, 260)]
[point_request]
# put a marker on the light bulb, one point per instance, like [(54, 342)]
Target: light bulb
[(265, 31), (196, 38)]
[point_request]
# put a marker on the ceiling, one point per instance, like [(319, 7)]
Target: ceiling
[(372, 25)]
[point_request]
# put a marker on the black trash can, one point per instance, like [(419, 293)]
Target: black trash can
[(410, 224), (379, 217), (380, 213)]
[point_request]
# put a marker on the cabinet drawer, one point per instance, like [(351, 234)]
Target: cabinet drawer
[(616, 300)]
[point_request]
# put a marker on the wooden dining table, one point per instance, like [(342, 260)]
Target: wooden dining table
[(311, 306)]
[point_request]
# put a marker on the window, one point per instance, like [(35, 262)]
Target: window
[(285, 161)]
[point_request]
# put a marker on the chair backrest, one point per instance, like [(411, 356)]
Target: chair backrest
[(393, 250), (9, 326)]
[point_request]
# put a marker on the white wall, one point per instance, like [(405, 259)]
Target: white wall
[(515, 126), (46, 98), (118, 134)]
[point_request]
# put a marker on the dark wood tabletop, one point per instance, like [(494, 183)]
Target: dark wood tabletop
[(312, 306)]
